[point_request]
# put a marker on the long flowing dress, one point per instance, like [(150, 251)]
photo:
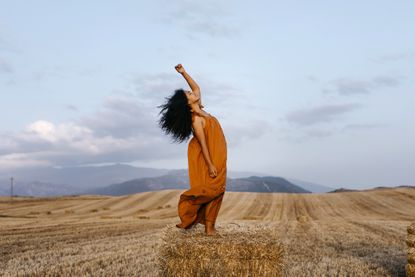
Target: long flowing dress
[(202, 201)]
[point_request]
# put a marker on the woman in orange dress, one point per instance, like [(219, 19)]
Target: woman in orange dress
[(182, 116)]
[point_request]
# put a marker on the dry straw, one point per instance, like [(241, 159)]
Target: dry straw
[(410, 241), (237, 251)]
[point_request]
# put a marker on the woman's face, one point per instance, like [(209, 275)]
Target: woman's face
[(191, 97)]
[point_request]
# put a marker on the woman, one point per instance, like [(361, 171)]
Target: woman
[(182, 116)]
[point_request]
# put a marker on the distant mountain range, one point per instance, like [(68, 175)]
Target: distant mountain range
[(176, 179), (36, 188), (264, 184), (340, 190), (82, 176), (313, 187), (180, 180), (48, 181)]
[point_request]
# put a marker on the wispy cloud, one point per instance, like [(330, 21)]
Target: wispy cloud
[(304, 134), (346, 86), (207, 18), (5, 66), (324, 113), (307, 133), (362, 127), (393, 57), (153, 88), (72, 108), (61, 72), (250, 129), (7, 46)]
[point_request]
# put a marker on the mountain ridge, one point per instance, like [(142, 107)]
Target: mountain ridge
[(181, 181)]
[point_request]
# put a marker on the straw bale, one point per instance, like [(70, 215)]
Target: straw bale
[(410, 270), (411, 255), (410, 240), (250, 250)]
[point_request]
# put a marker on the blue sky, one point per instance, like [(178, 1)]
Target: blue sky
[(315, 90)]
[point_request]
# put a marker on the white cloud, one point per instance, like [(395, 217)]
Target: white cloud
[(123, 130), (43, 129)]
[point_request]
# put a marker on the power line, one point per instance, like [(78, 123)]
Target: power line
[(11, 189)]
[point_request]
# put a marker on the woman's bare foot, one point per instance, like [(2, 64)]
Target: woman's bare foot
[(210, 229), (212, 233), (180, 226)]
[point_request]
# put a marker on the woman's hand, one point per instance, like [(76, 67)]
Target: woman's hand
[(180, 68), (212, 171)]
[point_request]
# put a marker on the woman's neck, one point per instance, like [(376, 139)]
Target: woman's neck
[(196, 109)]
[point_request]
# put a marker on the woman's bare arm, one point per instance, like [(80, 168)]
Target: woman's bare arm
[(200, 135), (193, 85)]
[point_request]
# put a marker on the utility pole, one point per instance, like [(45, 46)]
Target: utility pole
[(11, 189)]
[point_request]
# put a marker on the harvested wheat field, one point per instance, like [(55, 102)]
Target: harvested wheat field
[(341, 234), (410, 241)]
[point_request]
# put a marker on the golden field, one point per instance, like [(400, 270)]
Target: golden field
[(340, 234)]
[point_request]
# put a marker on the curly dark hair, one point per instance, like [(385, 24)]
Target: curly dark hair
[(176, 119)]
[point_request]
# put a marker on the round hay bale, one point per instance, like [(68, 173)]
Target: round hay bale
[(410, 240), (410, 270), (411, 229)]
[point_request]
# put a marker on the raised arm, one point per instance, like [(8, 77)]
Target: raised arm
[(193, 85)]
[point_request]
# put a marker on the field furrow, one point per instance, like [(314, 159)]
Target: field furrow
[(334, 234)]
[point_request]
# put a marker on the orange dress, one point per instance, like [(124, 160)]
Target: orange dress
[(202, 201)]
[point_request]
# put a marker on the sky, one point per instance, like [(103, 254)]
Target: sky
[(321, 91)]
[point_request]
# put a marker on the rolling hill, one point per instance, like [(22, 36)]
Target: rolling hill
[(180, 180), (44, 181)]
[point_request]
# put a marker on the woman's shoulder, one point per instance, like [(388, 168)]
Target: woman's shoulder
[(197, 115), (201, 118)]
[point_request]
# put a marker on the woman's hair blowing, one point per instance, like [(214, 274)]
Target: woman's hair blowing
[(176, 116)]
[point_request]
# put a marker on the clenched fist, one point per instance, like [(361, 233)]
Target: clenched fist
[(179, 68)]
